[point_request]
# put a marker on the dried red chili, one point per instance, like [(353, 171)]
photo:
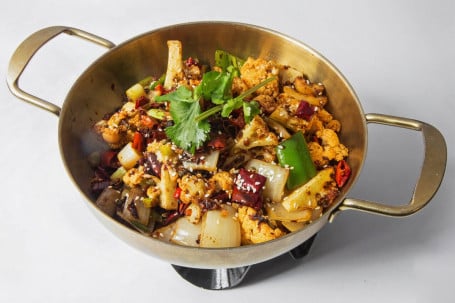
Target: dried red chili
[(248, 188), (138, 141), (159, 89), (305, 110), (109, 159), (217, 143), (342, 173), (141, 101)]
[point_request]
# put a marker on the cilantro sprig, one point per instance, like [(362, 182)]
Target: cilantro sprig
[(191, 127), (250, 108), (186, 133)]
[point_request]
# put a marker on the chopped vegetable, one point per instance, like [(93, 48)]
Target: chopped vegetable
[(186, 132), (135, 92), (226, 60), (168, 186), (107, 201), (118, 173), (138, 142), (293, 154), (160, 81), (206, 162), (220, 228), (158, 113), (276, 178), (128, 156), (186, 233), (342, 173), (305, 110), (312, 193), (248, 188), (174, 63)]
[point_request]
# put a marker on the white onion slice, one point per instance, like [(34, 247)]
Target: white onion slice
[(220, 228), (276, 178), (186, 233), (128, 156), (206, 162)]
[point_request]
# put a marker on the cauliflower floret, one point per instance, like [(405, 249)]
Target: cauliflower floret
[(194, 188), (221, 181), (305, 87), (165, 152), (194, 213), (256, 133), (329, 149), (153, 195), (267, 102), (328, 120), (285, 114), (253, 230), (238, 86), (254, 71), (134, 176), (117, 130)]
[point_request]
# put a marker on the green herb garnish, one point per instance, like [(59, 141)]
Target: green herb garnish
[(191, 127), (187, 133)]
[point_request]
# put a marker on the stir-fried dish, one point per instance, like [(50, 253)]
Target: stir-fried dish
[(220, 156)]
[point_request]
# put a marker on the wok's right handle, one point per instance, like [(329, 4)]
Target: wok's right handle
[(28, 48), (431, 175)]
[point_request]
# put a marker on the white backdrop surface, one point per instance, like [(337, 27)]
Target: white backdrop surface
[(398, 55)]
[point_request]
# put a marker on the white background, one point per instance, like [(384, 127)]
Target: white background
[(398, 55)]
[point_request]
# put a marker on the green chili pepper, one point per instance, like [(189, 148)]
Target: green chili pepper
[(146, 81), (157, 82), (293, 153)]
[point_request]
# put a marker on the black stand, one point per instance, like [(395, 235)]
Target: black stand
[(224, 278)]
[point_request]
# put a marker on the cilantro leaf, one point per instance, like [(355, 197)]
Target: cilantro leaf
[(182, 93), (225, 60), (250, 109), (216, 86), (230, 105), (186, 133)]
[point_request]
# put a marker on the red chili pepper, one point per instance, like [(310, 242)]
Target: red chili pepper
[(191, 61), (138, 141), (147, 121), (159, 89), (182, 208), (177, 193), (305, 110), (217, 143), (248, 188), (342, 173), (141, 101), (109, 159), (171, 216)]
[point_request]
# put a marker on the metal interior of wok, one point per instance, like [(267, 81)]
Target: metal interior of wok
[(100, 90)]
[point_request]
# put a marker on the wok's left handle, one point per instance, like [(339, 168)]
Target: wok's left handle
[(431, 175), (27, 50)]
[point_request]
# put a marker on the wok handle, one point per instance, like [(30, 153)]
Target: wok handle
[(27, 50), (431, 175)]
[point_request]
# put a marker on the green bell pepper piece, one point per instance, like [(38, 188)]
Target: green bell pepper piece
[(293, 153)]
